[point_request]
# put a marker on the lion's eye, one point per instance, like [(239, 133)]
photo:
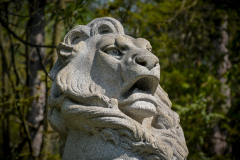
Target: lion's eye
[(114, 53), (149, 49)]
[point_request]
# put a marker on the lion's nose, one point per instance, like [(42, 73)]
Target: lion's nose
[(148, 61)]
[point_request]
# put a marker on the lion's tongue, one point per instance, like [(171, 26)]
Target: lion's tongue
[(136, 90)]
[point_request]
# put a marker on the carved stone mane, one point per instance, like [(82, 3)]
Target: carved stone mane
[(105, 100)]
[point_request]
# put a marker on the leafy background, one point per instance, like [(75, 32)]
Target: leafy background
[(196, 41)]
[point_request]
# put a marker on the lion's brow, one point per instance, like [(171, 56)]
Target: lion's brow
[(123, 42), (105, 41)]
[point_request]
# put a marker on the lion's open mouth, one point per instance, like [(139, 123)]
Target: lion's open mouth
[(145, 85)]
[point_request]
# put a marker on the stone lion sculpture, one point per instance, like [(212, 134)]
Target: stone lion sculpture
[(105, 100)]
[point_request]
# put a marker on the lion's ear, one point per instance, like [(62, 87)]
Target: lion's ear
[(77, 34), (67, 52), (64, 53), (73, 43), (105, 25)]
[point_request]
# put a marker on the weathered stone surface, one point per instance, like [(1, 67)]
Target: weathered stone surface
[(106, 102)]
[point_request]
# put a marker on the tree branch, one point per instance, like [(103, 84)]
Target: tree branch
[(20, 39), (26, 130), (40, 58)]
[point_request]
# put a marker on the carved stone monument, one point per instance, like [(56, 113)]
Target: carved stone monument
[(106, 102)]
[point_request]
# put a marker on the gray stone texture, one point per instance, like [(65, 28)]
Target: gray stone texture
[(106, 102)]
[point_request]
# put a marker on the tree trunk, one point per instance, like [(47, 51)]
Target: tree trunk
[(57, 38), (38, 90), (4, 95), (220, 145), (57, 30)]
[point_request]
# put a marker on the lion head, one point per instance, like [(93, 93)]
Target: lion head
[(109, 82)]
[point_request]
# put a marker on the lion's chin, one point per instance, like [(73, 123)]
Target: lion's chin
[(140, 110)]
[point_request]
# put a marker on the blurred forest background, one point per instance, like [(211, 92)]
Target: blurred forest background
[(197, 42)]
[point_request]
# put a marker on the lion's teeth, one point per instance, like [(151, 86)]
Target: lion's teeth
[(136, 90)]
